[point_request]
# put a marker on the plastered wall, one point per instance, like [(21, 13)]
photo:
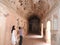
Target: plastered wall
[(8, 18), (14, 19), (54, 33)]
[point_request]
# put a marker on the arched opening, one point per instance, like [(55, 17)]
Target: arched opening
[(34, 25)]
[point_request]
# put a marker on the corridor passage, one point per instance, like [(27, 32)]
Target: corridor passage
[(39, 21)]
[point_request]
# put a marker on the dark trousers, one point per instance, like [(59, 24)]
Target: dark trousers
[(20, 42)]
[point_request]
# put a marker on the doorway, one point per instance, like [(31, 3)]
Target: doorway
[(34, 25)]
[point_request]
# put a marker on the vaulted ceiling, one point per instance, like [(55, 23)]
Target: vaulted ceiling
[(26, 8)]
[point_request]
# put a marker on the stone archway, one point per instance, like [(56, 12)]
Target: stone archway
[(34, 25)]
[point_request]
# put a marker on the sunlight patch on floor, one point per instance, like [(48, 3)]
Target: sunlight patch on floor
[(34, 36)]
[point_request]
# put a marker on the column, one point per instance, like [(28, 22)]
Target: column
[(42, 30), (2, 29), (48, 34)]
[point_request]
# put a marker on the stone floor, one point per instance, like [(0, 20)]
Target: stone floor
[(34, 41)]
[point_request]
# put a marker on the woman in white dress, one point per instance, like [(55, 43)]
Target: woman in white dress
[(14, 39)]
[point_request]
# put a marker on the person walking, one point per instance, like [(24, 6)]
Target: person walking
[(14, 38), (21, 35)]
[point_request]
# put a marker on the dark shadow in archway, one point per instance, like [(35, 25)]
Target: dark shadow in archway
[(34, 25)]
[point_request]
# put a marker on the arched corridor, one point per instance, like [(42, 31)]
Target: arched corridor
[(39, 19), (34, 25)]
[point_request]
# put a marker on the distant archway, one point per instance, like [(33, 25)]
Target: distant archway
[(34, 25)]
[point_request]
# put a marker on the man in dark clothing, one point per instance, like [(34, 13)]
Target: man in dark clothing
[(21, 35)]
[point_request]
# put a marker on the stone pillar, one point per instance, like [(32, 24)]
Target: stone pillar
[(2, 29), (42, 30), (58, 33), (48, 35)]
